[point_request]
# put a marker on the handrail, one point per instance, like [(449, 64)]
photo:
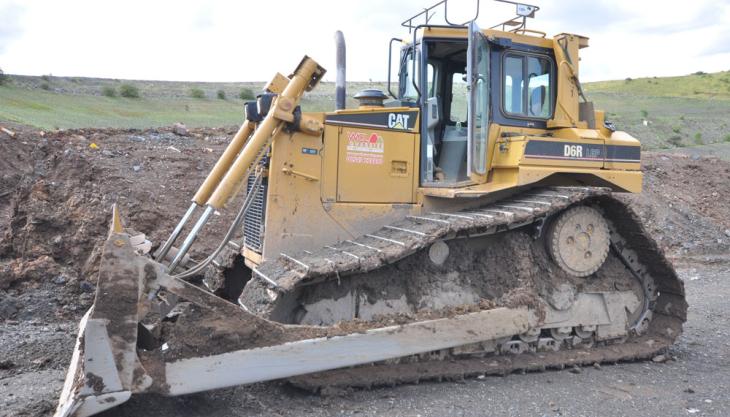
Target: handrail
[(408, 23), (390, 69), (416, 56), (524, 31)]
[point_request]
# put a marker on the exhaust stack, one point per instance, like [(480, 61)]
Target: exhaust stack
[(340, 83)]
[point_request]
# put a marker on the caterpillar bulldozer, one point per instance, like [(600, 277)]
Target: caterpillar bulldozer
[(462, 224)]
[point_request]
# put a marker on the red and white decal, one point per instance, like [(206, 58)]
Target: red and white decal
[(363, 148)]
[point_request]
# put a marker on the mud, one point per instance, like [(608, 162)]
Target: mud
[(669, 313), (477, 269), (57, 191)]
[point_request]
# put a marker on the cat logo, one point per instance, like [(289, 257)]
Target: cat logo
[(573, 151), (398, 121)]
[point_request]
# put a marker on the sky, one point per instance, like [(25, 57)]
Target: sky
[(217, 40)]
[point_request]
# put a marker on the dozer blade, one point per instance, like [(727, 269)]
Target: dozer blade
[(104, 358), (129, 341)]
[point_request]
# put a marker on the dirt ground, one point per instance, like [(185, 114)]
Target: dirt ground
[(56, 192)]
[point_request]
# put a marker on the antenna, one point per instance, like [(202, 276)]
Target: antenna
[(519, 22)]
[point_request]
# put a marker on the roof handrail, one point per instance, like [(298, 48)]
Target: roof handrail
[(413, 22)]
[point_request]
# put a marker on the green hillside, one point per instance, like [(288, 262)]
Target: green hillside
[(698, 85), (679, 111), (664, 113)]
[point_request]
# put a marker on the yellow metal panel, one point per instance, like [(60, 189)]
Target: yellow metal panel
[(508, 178), (571, 153), (375, 166), (566, 56), (508, 152), (295, 216), (329, 163), (622, 139), (629, 181)]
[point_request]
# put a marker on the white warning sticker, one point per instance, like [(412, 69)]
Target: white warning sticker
[(363, 148)]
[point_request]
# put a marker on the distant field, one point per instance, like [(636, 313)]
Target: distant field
[(680, 111), (70, 102), (49, 110), (719, 150), (664, 113)]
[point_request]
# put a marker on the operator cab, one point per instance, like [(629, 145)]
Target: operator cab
[(444, 105), (463, 80)]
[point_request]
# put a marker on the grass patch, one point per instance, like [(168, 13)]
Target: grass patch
[(128, 91), (48, 110), (698, 139), (246, 94), (699, 84), (674, 140), (109, 91)]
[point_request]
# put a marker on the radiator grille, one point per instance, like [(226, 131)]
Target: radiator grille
[(253, 222)]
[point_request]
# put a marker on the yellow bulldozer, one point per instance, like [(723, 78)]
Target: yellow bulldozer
[(460, 224)]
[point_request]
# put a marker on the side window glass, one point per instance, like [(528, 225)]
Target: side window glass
[(538, 87), (526, 86), (407, 78), (513, 84), (457, 113), (431, 79)]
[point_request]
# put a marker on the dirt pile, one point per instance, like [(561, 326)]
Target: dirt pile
[(56, 194), (685, 203)]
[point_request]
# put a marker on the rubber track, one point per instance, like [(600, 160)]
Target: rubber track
[(640, 252)]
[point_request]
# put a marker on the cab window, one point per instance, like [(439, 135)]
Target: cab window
[(408, 91), (457, 113), (527, 86)]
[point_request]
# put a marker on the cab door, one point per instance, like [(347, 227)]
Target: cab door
[(479, 150)]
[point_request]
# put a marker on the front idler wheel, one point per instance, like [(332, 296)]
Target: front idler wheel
[(578, 240)]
